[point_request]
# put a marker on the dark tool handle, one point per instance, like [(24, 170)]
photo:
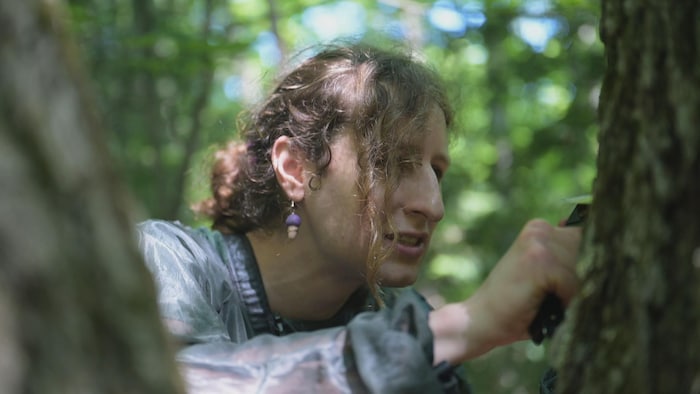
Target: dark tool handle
[(551, 312), (548, 317)]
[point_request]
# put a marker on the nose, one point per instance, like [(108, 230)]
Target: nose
[(423, 195)]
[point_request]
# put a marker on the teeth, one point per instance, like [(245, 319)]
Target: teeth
[(407, 240)]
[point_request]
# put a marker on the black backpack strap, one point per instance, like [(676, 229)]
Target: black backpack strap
[(247, 281), (450, 379)]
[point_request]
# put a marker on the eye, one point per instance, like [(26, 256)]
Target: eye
[(439, 172)]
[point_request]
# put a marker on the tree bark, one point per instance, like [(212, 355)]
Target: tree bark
[(635, 328), (77, 305)]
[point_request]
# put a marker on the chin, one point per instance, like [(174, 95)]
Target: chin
[(400, 277)]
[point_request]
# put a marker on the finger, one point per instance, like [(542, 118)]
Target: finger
[(561, 271), (554, 253)]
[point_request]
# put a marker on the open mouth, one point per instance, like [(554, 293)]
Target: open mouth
[(404, 239)]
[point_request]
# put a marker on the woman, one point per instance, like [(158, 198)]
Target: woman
[(321, 217)]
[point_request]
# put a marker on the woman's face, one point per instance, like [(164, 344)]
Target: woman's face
[(338, 231), (416, 206)]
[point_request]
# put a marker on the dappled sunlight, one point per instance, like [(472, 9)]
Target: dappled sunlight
[(524, 77)]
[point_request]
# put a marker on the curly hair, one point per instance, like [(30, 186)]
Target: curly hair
[(382, 97)]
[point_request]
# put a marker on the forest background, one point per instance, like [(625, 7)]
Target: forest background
[(171, 76)]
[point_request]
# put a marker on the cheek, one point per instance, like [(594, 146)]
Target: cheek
[(344, 218)]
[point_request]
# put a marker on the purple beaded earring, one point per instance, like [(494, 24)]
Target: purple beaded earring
[(293, 223)]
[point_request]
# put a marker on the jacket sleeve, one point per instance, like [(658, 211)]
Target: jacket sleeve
[(389, 351)]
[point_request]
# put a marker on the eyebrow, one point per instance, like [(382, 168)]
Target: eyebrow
[(443, 158)]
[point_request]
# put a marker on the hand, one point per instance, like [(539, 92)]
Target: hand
[(540, 261)]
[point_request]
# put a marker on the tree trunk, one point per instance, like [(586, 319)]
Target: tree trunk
[(635, 327), (77, 305)]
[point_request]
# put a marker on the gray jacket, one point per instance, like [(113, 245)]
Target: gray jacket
[(212, 300)]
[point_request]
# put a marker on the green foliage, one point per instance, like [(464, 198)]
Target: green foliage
[(172, 75)]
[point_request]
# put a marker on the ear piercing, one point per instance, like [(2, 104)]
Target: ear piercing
[(293, 223)]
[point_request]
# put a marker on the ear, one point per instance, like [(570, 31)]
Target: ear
[(289, 168)]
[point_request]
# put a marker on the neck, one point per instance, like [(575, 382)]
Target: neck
[(298, 282)]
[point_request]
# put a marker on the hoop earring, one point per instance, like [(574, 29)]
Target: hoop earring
[(314, 182), (293, 223)]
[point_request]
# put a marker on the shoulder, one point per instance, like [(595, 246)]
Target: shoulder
[(195, 290), (172, 240), (174, 235), (161, 240), (159, 236), (163, 230)]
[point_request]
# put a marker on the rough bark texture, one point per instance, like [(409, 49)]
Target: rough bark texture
[(77, 306), (636, 325)]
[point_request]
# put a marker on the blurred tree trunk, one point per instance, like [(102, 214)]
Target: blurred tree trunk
[(636, 325), (77, 306)]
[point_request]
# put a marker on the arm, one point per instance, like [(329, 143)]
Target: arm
[(540, 261), (388, 351), (382, 352)]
